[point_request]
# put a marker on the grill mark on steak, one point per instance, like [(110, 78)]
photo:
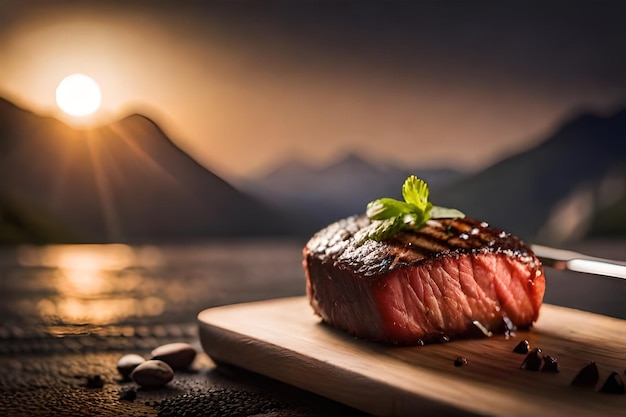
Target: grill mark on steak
[(452, 234), (422, 285), (439, 238)]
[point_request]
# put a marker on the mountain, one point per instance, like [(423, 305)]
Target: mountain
[(128, 182), (557, 191), (122, 182), (314, 196), (570, 186)]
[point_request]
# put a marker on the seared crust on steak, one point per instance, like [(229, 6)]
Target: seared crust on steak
[(422, 285)]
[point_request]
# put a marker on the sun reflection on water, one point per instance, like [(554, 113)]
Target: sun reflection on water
[(94, 284)]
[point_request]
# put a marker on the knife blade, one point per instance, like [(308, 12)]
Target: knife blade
[(566, 260)]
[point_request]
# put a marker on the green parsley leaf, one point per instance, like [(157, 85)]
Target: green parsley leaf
[(389, 216), (445, 213), (386, 208), (415, 191)]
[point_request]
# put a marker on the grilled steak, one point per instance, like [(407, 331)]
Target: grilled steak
[(444, 281)]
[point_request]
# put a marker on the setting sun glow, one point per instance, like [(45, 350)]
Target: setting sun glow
[(78, 95)]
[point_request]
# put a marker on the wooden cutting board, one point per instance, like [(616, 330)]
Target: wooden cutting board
[(284, 340)]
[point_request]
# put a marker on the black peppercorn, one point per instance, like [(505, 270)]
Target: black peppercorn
[(613, 384), (550, 364), (587, 377), (532, 362), (460, 361), (522, 347), (128, 395), (94, 381)]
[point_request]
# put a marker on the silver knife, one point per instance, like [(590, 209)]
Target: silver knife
[(566, 260)]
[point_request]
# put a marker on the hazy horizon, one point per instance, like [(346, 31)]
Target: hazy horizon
[(337, 157), (244, 86)]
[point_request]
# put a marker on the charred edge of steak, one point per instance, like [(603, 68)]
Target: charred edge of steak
[(439, 238)]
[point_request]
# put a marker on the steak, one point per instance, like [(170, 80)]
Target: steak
[(451, 279)]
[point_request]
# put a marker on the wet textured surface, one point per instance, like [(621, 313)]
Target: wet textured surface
[(69, 313)]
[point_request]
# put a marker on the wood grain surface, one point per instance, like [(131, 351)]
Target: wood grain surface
[(283, 339)]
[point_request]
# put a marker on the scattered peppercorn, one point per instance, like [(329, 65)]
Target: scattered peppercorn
[(587, 377), (613, 384), (550, 364), (522, 347), (128, 394), (532, 362), (94, 381), (460, 361)]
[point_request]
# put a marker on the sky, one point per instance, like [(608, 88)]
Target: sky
[(244, 86)]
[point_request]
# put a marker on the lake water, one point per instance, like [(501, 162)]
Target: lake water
[(103, 288), (117, 289)]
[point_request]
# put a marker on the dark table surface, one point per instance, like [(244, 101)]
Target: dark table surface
[(68, 313)]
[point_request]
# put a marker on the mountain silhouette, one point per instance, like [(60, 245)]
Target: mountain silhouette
[(314, 196), (570, 186), (122, 182), (554, 192), (128, 182)]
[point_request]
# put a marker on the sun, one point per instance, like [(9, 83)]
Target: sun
[(78, 95)]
